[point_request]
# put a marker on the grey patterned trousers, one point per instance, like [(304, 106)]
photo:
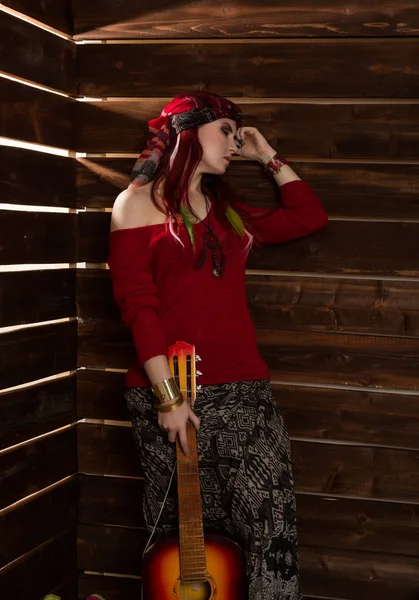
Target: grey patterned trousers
[(245, 475)]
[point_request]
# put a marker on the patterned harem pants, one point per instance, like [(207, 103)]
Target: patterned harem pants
[(245, 475)]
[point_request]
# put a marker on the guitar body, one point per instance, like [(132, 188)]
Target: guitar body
[(225, 570)]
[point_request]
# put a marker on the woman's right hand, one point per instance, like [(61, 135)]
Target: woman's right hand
[(175, 424)]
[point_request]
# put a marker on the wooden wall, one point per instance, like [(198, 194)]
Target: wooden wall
[(38, 469), (336, 90)]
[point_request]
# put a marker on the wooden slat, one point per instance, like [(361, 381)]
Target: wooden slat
[(38, 55), (38, 521), (38, 352), (110, 500), (376, 249), (48, 568), (35, 178), (285, 302), (319, 468), (301, 356), (318, 130), (349, 524), (255, 69), (52, 297), (346, 190), (55, 14), (30, 237), (100, 19), (33, 411), (100, 395), (33, 115), (367, 417), (326, 572), (33, 467)]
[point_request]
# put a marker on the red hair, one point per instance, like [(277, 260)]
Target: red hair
[(177, 166)]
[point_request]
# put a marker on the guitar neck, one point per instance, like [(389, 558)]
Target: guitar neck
[(191, 532)]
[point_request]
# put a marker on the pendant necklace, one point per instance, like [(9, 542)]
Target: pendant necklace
[(211, 243)]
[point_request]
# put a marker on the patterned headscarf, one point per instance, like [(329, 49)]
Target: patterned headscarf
[(183, 112)]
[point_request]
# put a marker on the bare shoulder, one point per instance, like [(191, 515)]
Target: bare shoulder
[(135, 208)]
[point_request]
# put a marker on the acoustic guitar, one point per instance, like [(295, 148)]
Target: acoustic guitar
[(193, 565)]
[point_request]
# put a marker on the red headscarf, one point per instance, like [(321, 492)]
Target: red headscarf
[(183, 112)]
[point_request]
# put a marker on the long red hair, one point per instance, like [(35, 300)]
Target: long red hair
[(177, 167)]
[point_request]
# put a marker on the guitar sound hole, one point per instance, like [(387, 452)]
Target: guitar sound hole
[(195, 591)]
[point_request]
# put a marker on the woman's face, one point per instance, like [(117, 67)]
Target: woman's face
[(218, 144)]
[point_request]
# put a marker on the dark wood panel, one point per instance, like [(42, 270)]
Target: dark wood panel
[(52, 296), (36, 116), (36, 178), (326, 572), (254, 69), (349, 524), (346, 190), (110, 501), (98, 545), (350, 575), (55, 14), (300, 356), (50, 567), (325, 414), (33, 353), (324, 468), (37, 55), (30, 412), (285, 302), (319, 130), (341, 248), (35, 466), (106, 19), (100, 395), (31, 237), (38, 521)]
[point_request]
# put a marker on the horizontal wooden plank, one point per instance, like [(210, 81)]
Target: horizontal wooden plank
[(52, 296), (38, 521), (367, 417), (319, 468), (31, 237), (349, 524), (100, 395), (32, 115), (304, 131), (346, 190), (373, 68), (32, 467), (38, 55), (33, 411), (51, 567), (99, 19), (341, 248), (108, 586), (55, 14), (34, 353), (286, 302), (36, 178), (299, 356), (326, 572)]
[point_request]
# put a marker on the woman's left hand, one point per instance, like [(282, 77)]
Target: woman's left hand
[(253, 145)]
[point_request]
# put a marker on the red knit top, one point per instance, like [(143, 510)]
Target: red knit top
[(163, 299)]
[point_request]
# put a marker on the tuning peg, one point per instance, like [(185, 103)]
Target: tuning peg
[(197, 358), (198, 373), (199, 387)]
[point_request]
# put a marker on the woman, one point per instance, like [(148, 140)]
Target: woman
[(178, 249)]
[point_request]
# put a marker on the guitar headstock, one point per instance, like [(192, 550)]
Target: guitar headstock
[(182, 363)]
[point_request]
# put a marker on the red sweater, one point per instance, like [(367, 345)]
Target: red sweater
[(163, 299)]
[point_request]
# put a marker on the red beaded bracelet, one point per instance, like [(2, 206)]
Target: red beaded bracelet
[(274, 165)]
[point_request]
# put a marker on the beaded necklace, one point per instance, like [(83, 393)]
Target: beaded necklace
[(211, 243)]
